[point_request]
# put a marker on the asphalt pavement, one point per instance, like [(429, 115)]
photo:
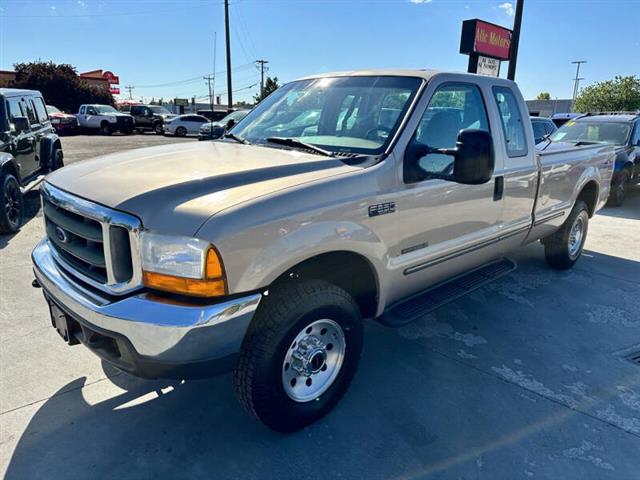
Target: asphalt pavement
[(528, 377)]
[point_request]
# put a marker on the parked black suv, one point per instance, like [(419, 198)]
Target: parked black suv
[(620, 129), (29, 148), (150, 117)]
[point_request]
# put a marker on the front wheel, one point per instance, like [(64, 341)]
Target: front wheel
[(105, 128), (564, 247), (158, 128), (181, 132), (299, 355), (57, 159)]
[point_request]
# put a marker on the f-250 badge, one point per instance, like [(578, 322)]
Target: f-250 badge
[(382, 209)]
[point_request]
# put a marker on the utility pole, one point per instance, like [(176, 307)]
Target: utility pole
[(515, 40), (209, 78), (262, 64), (213, 85), (576, 80), (226, 28), (130, 89)]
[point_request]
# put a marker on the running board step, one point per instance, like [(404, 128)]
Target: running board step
[(435, 297), (32, 184)]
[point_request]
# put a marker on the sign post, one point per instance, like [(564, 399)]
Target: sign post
[(486, 44)]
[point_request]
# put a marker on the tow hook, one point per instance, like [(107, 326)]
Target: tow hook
[(35, 283)]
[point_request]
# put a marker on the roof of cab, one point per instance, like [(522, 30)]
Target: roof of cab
[(425, 74), (609, 118), (15, 92)]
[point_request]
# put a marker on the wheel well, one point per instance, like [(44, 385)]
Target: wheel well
[(348, 270), (589, 195), (10, 167)]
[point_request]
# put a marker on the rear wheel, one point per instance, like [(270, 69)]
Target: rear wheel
[(299, 355), (57, 159), (181, 132), (619, 188), (564, 247), (12, 204)]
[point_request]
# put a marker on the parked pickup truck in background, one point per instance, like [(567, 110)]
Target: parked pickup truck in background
[(104, 118), (263, 254)]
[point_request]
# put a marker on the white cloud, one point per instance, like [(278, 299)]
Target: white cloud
[(418, 2), (508, 8), (81, 4)]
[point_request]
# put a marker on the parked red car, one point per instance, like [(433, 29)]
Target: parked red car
[(64, 123)]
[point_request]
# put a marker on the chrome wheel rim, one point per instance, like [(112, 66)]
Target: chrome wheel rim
[(313, 360), (12, 203), (575, 236)]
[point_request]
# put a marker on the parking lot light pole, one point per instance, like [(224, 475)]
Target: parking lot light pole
[(576, 80), (226, 28)]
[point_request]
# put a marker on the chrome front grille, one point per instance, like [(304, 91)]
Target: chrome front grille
[(97, 245)]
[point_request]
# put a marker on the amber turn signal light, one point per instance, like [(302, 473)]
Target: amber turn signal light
[(213, 285)]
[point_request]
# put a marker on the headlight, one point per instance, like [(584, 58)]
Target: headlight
[(182, 265), (55, 120)]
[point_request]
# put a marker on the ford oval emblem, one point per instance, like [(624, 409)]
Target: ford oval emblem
[(61, 235)]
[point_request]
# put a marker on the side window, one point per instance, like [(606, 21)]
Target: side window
[(512, 123), (31, 113), (550, 127), (82, 110), (538, 130), (41, 110), (635, 139), (453, 107), (15, 109)]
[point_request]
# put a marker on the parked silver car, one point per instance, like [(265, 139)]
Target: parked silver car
[(183, 125)]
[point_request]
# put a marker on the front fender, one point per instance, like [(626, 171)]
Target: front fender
[(292, 247), (8, 163)]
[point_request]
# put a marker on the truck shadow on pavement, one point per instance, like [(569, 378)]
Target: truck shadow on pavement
[(416, 406), (31, 210)]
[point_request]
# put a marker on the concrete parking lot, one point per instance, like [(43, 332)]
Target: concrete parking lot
[(528, 377)]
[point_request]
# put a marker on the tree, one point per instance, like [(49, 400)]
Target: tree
[(544, 96), (60, 85), (619, 94), (270, 85), (242, 105)]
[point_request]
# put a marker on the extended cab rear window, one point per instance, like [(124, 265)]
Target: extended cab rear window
[(511, 119)]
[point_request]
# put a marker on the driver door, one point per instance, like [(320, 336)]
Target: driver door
[(441, 222)]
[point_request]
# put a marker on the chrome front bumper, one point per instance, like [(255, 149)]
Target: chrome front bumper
[(158, 330)]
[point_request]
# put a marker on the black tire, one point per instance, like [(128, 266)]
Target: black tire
[(157, 128), (562, 250), (619, 187), (105, 128), (12, 210), (285, 313), (57, 159), (181, 132)]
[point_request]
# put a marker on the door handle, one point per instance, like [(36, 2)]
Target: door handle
[(498, 189)]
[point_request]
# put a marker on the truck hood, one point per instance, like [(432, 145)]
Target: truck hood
[(176, 188)]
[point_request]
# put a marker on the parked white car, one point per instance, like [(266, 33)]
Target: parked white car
[(104, 118), (184, 125)]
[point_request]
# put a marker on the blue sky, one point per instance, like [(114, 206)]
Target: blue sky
[(163, 47)]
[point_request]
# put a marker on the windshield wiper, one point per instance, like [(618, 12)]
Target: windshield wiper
[(293, 143), (237, 138)]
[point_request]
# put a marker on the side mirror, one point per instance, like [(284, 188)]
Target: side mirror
[(230, 124), (473, 159), (21, 124)]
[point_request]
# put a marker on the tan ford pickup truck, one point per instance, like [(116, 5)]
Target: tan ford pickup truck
[(343, 197)]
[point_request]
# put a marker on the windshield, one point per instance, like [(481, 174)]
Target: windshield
[(341, 114), (614, 133), (105, 109), (51, 109), (159, 109)]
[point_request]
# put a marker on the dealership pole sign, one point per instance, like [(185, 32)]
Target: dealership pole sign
[(486, 44), (113, 80)]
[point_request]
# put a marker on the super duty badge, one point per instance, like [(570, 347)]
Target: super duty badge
[(382, 209)]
